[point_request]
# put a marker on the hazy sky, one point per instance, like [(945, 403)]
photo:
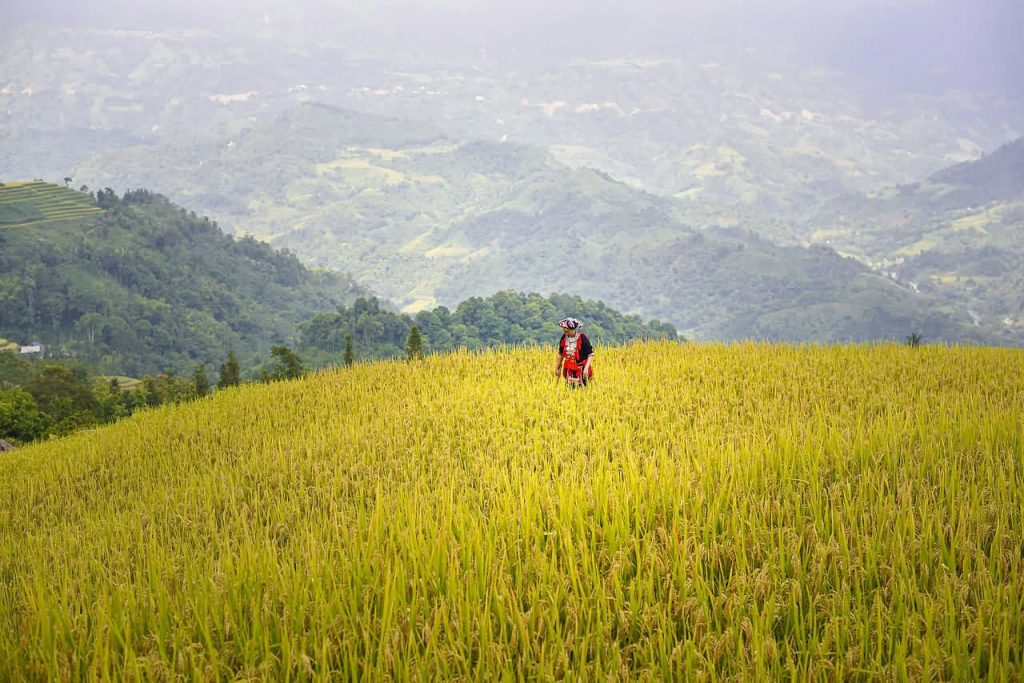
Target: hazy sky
[(925, 44)]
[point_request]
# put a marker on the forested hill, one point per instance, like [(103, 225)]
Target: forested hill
[(425, 219), (996, 177), (134, 284), (958, 236)]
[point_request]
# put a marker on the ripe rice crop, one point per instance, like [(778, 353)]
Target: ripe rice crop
[(702, 511)]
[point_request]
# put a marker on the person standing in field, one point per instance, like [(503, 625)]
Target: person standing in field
[(575, 354)]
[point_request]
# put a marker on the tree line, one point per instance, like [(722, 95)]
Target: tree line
[(55, 397), (370, 331)]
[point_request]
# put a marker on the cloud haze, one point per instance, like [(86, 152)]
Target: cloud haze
[(916, 44)]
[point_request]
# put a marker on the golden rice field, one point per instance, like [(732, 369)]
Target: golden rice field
[(703, 512)]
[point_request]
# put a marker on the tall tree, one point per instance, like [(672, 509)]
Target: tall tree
[(200, 382), (414, 346), (20, 417), (59, 394), (287, 365), (149, 393), (350, 356), (230, 372)]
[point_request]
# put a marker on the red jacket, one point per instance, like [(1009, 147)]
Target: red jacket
[(584, 350)]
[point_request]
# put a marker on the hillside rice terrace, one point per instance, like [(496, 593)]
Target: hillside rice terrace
[(27, 202), (701, 511)]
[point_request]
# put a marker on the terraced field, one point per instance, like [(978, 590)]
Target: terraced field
[(702, 512), (35, 201)]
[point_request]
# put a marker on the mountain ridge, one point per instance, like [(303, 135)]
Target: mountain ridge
[(958, 235), (141, 285), (434, 220)]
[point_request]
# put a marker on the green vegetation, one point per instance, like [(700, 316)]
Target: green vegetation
[(958, 237), (743, 512), (506, 318), (141, 286), (47, 398), (230, 372), (429, 220), (350, 355), (43, 398), (286, 364), (201, 381), (414, 345)]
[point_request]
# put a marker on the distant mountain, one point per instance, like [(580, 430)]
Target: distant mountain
[(996, 177), (723, 125), (428, 219), (958, 236), (135, 284)]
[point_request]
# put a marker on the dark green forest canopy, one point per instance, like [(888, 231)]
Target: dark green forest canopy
[(146, 286)]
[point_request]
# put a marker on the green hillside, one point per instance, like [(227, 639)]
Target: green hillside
[(958, 236), (27, 202), (136, 285), (996, 177), (700, 512), (429, 220)]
